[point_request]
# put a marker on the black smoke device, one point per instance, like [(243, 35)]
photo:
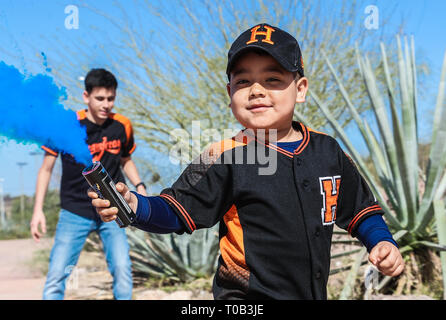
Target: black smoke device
[(99, 179)]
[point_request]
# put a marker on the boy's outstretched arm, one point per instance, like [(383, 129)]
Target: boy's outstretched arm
[(153, 214)]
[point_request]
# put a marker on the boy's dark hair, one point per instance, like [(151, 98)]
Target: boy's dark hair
[(100, 78)]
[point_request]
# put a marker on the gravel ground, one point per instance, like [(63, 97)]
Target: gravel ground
[(21, 276)]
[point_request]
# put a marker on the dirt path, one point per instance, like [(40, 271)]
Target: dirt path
[(22, 275), (19, 280)]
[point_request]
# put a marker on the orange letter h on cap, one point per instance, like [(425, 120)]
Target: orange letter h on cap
[(267, 34)]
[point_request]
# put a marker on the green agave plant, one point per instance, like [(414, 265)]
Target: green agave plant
[(179, 258), (412, 198)]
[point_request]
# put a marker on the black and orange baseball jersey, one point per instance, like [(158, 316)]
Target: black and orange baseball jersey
[(107, 143), (275, 229)]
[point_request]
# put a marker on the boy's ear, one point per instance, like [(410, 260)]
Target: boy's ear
[(228, 89), (302, 88), (86, 97)]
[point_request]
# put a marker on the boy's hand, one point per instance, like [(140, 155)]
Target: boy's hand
[(37, 219), (387, 258), (106, 213)]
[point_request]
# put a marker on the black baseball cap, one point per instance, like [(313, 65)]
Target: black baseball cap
[(278, 43)]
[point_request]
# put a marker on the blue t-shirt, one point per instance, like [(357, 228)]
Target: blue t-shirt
[(289, 146)]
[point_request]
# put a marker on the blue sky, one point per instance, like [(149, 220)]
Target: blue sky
[(29, 24)]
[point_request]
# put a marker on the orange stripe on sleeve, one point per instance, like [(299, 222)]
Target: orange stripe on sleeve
[(361, 214), (133, 149), (180, 208), (54, 153)]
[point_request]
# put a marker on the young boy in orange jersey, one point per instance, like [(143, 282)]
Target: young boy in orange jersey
[(275, 229)]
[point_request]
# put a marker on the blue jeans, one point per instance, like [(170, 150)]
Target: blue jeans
[(71, 233)]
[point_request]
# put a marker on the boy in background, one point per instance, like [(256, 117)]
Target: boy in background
[(110, 140)]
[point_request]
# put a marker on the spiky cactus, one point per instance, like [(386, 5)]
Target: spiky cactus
[(180, 258)]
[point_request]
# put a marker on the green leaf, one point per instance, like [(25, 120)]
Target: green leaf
[(430, 245), (379, 109), (375, 150), (404, 149), (301, 118), (400, 234), (383, 282), (410, 167), (437, 155), (351, 277), (440, 220), (344, 254)]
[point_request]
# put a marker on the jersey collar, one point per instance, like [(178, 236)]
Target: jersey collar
[(82, 115), (246, 137), (305, 139)]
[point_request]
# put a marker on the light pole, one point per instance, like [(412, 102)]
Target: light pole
[(22, 196), (36, 153)]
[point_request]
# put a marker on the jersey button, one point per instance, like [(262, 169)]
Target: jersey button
[(318, 275), (299, 161), (306, 184)]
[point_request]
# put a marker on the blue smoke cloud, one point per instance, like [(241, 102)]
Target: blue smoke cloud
[(31, 112)]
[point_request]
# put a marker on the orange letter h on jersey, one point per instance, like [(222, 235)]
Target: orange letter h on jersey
[(267, 34), (330, 192)]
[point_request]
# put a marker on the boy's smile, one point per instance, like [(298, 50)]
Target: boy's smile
[(263, 94)]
